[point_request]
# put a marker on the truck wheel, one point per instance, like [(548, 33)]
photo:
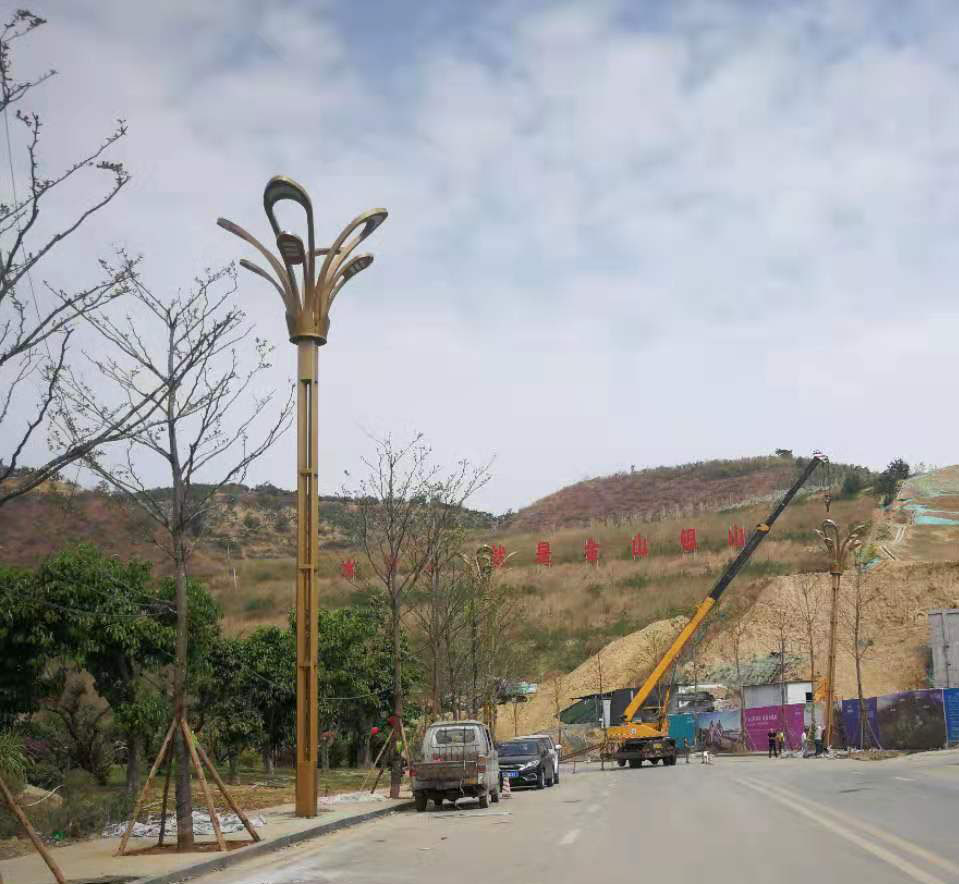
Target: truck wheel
[(494, 797), (421, 801), (550, 781), (484, 800), (540, 779), (556, 777), (654, 761), (635, 762), (621, 762)]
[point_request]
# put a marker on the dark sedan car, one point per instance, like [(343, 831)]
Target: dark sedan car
[(526, 763)]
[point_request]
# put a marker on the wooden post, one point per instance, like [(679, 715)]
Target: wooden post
[(37, 843), (146, 785), (188, 736), (226, 794)]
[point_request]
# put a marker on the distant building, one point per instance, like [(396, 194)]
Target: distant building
[(758, 695), (944, 643)]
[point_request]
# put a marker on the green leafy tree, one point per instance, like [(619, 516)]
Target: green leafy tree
[(356, 672)]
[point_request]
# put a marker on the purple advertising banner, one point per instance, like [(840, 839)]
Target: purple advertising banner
[(763, 718), (851, 725)]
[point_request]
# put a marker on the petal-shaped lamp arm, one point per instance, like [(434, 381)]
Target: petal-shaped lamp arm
[(289, 298), (368, 221)]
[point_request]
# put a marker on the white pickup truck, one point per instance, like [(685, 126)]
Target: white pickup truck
[(457, 759)]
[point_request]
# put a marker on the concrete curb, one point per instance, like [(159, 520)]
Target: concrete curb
[(242, 854)]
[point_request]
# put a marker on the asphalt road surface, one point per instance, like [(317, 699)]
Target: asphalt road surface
[(732, 822)]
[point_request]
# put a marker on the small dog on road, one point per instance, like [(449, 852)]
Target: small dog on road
[(706, 757)]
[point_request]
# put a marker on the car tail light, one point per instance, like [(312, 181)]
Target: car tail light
[(481, 763)]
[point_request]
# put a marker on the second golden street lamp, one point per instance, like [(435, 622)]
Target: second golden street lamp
[(307, 296), (839, 549)]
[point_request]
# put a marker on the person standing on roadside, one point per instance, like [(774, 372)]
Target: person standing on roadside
[(686, 749), (780, 742), (819, 731), (771, 737)]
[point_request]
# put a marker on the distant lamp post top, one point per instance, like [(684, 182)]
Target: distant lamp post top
[(308, 299), (840, 549)]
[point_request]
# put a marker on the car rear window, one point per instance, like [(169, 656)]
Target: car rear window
[(454, 736), (529, 747)]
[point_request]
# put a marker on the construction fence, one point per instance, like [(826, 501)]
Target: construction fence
[(908, 720)]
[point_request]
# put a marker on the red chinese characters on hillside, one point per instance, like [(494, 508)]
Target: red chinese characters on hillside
[(737, 536), (498, 555), (592, 551), (640, 547), (348, 569), (687, 540), (543, 555)]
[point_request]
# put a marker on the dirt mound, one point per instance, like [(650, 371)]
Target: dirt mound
[(623, 662), (894, 623)]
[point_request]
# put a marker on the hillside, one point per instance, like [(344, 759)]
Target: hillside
[(664, 492)]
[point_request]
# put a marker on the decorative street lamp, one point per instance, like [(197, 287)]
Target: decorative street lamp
[(840, 551), (307, 302)]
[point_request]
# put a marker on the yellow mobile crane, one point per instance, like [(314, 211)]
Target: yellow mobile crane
[(634, 742)]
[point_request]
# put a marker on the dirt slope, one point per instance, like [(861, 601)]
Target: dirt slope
[(623, 663)]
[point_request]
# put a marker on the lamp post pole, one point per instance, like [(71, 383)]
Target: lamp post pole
[(839, 549), (307, 296)]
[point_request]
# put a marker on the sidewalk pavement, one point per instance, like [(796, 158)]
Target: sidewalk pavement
[(94, 860)]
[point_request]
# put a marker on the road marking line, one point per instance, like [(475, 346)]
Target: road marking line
[(894, 840), (592, 808), (569, 838), (905, 779), (882, 835), (887, 856)]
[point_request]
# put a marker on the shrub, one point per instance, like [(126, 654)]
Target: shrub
[(259, 604)]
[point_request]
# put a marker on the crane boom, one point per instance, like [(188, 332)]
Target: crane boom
[(757, 537)]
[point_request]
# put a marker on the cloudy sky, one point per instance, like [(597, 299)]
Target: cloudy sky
[(620, 232)]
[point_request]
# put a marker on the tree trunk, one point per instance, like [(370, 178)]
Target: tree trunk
[(234, 771), (396, 768), (862, 702), (363, 753), (812, 681), (134, 748), (267, 755), (177, 527), (324, 754), (184, 794)]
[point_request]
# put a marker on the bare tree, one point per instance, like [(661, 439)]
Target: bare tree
[(439, 606), (735, 634), (782, 623), (858, 633), (406, 506), (36, 330), (807, 612), (190, 346)]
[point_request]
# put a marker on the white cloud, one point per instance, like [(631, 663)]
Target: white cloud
[(612, 240)]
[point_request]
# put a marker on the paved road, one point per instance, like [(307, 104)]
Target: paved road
[(737, 820)]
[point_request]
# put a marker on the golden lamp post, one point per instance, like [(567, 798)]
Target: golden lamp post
[(307, 296), (839, 550)]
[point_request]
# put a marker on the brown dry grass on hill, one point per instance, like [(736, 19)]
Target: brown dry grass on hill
[(664, 492)]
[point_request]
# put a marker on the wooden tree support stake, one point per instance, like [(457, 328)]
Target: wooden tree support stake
[(188, 736), (379, 755), (37, 843), (166, 795), (226, 793), (143, 791), (200, 760)]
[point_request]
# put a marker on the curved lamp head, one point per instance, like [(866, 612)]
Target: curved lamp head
[(307, 314)]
